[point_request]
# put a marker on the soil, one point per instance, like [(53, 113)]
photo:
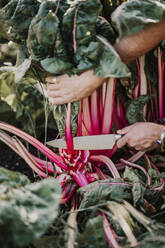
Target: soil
[(11, 161)]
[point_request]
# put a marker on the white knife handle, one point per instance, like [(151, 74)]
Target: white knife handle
[(118, 136)]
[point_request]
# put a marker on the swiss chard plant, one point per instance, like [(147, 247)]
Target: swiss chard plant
[(57, 37)]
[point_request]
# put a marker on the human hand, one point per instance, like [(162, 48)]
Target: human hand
[(68, 89), (141, 135)]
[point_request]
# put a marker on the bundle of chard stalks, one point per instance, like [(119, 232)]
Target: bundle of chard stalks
[(118, 192)]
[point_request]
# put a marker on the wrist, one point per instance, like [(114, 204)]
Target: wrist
[(162, 138)]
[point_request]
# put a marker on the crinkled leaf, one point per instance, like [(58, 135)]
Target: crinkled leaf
[(86, 57), (55, 65), (78, 25), (80, 28), (44, 40), (29, 210), (104, 28), (154, 239), (132, 16), (109, 62), (12, 179), (137, 187), (93, 235), (102, 191), (19, 14), (42, 32), (135, 109)]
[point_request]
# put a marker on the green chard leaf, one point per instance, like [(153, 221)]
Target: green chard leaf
[(13, 179), (154, 239), (93, 235), (132, 16), (109, 62), (18, 14), (78, 25), (59, 112), (105, 29), (42, 33), (138, 189), (44, 41), (30, 209), (104, 190), (135, 109)]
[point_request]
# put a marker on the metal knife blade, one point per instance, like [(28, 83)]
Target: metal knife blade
[(92, 142)]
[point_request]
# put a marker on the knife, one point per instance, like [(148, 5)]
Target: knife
[(92, 142)]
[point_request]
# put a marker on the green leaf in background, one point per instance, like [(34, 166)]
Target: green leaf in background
[(3, 3), (6, 113), (30, 210), (18, 14), (6, 84), (137, 188), (132, 16), (154, 239), (50, 242), (135, 109), (104, 190), (93, 235), (12, 179)]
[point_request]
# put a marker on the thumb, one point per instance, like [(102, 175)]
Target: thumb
[(122, 141)]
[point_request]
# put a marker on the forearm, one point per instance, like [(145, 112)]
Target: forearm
[(140, 43)]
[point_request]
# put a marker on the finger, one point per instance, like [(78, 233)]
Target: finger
[(52, 87), (138, 148), (122, 141), (53, 94), (59, 100), (124, 130), (56, 101), (51, 80)]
